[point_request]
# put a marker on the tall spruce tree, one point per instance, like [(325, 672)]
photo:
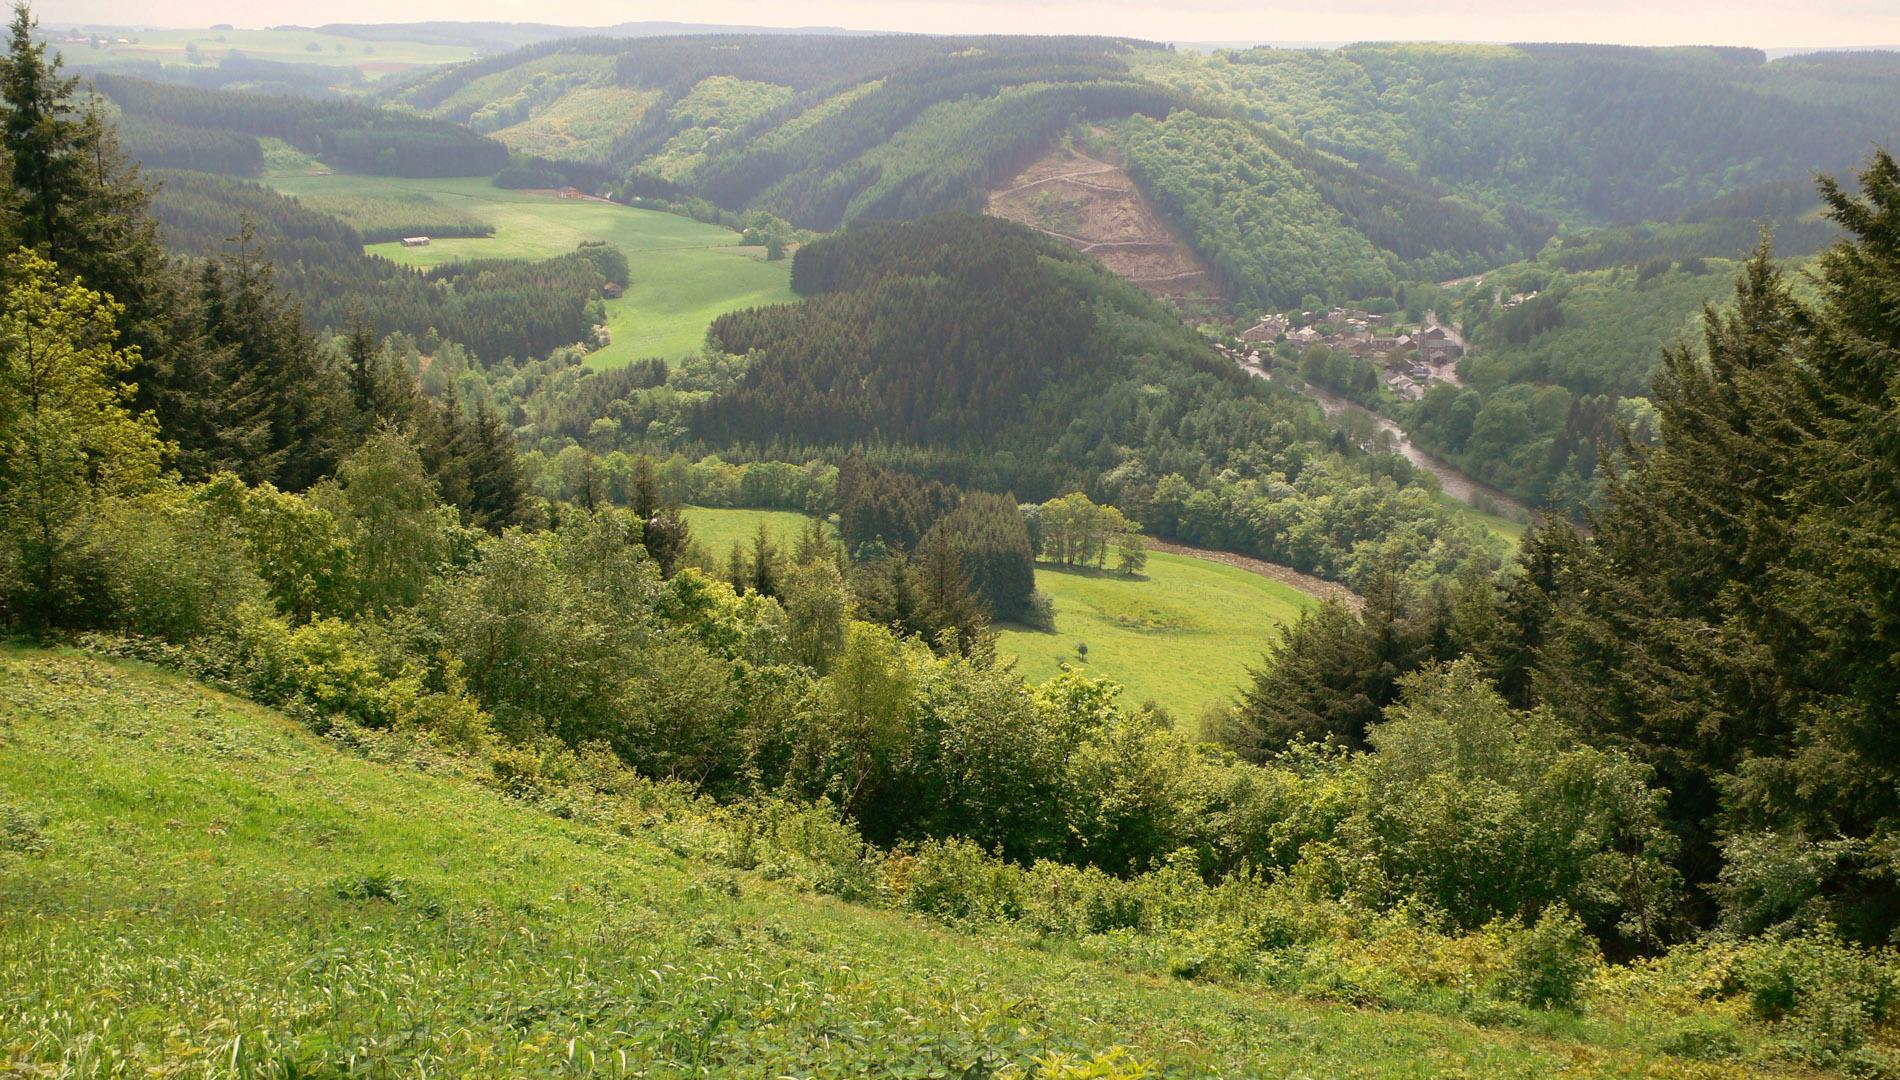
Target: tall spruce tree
[(84, 206), (1733, 619)]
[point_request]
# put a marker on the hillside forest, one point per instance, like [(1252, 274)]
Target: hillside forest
[(1626, 784)]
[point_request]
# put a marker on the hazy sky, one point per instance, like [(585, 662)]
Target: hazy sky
[(1636, 22)]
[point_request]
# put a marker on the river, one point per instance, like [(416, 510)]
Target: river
[(1450, 480)]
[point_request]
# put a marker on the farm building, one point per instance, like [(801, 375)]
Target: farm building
[(415, 241)]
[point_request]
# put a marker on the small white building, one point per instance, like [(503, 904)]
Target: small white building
[(415, 241)]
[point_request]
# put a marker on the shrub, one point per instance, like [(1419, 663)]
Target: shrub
[(1828, 995), (955, 881), (1487, 813), (172, 571), (1550, 961)]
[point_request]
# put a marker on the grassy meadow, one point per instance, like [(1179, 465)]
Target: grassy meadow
[(1498, 525), (1183, 634), (192, 885), (375, 59), (718, 528), (684, 273)]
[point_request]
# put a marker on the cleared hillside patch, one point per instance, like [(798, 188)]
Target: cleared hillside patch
[(684, 273), (1093, 205)]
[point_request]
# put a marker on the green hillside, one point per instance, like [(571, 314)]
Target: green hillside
[(199, 885), (684, 273)]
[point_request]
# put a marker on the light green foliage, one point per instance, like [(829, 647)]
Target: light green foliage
[(67, 439), (1076, 532), (283, 159), (571, 68), (1485, 812), (174, 566), (716, 109), (388, 511), (684, 273), (581, 125), (1552, 960)]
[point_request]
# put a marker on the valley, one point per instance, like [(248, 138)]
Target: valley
[(665, 550)]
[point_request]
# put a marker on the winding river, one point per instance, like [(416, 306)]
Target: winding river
[(1454, 483)]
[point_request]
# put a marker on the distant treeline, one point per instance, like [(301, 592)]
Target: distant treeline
[(345, 135)]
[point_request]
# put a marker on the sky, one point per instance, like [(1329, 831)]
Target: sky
[(1762, 23)]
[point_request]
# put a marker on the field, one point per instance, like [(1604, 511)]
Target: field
[(375, 59), (685, 273), (718, 528), (1508, 528), (197, 886), (1182, 635)]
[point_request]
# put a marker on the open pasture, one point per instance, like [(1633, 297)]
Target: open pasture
[(685, 273)]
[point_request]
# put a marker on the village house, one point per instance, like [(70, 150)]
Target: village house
[(1403, 386), (1266, 330)]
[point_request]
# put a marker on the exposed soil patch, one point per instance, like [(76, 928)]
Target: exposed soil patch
[(1094, 206)]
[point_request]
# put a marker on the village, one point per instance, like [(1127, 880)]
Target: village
[(1411, 356)]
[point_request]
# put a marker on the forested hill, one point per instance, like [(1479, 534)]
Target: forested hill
[(977, 352), (1592, 133), (1382, 164)]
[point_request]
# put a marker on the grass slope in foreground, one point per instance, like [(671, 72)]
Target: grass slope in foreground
[(194, 885), (685, 273)]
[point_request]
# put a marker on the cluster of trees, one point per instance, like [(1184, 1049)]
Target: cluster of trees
[(161, 144), (885, 514), (1074, 531), (207, 358), (359, 138)]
